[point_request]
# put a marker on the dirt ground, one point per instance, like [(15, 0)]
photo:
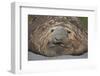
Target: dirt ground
[(32, 56)]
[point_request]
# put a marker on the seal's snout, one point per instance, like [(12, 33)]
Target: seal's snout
[(59, 34)]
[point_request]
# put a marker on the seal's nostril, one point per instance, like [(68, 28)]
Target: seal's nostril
[(58, 39)]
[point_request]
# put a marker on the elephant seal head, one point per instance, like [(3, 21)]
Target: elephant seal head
[(54, 37)]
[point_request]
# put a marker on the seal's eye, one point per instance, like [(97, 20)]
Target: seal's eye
[(52, 30), (68, 31)]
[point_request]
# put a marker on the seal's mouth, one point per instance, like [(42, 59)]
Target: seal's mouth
[(59, 44), (58, 48)]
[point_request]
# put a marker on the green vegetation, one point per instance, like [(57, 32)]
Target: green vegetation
[(84, 21)]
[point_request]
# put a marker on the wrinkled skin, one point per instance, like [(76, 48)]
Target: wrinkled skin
[(54, 36)]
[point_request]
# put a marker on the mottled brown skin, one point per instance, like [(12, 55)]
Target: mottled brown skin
[(55, 36)]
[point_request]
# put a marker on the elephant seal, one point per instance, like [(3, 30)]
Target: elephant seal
[(56, 35)]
